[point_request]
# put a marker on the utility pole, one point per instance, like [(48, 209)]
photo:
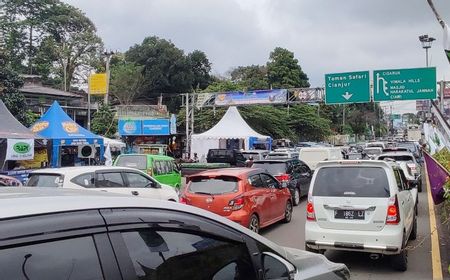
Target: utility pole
[(343, 118), (108, 55)]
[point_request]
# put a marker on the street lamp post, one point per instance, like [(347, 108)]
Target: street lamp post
[(426, 44)]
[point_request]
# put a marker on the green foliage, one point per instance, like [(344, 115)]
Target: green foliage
[(43, 36), (284, 70), (127, 82), (222, 86), (251, 77), (200, 67), (104, 122)]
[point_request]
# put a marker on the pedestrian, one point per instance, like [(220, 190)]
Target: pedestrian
[(249, 162), (195, 159)]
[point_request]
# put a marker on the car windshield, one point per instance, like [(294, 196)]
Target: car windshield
[(375, 151), (137, 161), (397, 158), (410, 146), (214, 186), (358, 181), (273, 168), (45, 180)]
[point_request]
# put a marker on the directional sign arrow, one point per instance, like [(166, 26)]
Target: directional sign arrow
[(347, 95)]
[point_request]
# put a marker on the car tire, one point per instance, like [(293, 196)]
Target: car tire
[(413, 234), (296, 196), (400, 261), (288, 212), (253, 225)]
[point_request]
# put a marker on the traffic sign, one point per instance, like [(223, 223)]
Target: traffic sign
[(404, 84), (351, 87)]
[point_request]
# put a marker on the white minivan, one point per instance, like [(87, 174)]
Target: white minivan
[(313, 155)]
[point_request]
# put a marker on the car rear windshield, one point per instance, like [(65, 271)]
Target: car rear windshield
[(372, 151), (45, 180), (214, 186), (410, 146), (398, 158), (273, 168), (351, 182), (138, 162)]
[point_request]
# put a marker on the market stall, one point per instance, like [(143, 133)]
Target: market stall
[(71, 144), (231, 132)]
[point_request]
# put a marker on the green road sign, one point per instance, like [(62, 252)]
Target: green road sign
[(404, 84), (342, 88)]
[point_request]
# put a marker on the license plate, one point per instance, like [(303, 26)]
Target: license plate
[(349, 214)]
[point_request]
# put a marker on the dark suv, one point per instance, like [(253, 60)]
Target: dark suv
[(233, 157), (294, 172)]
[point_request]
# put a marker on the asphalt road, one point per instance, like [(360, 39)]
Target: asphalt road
[(360, 265)]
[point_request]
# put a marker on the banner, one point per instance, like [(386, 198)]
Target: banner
[(19, 149), (156, 127), (130, 127), (98, 84), (437, 176), (276, 96)]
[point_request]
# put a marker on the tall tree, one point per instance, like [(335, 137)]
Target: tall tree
[(253, 77), (284, 70), (200, 67), (126, 82), (103, 122)]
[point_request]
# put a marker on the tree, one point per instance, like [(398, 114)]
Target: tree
[(252, 77), (103, 122), (165, 67), (10, 83), (200, 67), (284, 70), (126, 82)]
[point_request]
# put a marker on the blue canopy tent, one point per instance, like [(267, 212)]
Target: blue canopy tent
[(58, 127)]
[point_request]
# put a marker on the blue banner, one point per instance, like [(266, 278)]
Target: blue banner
[(156, 127), (130, 127), (276, 96)]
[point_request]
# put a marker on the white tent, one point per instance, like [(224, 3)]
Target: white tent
[(114, 144), (231, 126)]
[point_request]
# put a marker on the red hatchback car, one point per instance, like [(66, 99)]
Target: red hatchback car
[(247, 196)]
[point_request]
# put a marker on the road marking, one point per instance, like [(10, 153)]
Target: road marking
[(435, 252)]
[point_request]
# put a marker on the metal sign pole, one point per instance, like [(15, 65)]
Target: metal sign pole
[(89, 106)]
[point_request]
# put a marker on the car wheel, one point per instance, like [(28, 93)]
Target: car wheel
[(413, 234), (400, 261), (296, 196), (254, 223), (288, 212)]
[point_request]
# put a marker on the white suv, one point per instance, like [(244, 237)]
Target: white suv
[(120, 180), (364, 206)]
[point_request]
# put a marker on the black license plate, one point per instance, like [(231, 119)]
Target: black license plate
[(349, 214)]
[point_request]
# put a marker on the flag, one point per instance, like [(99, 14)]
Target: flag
[(108, 156), (447, 41), (437, 176)]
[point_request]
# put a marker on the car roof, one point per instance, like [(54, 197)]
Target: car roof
[(275, 160), (79, 169), (236, 172), (334, 163), (22, 201), (147, 155), (397, 154)]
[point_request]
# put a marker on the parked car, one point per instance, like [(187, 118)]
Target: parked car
[(162, 168), (372, 152), (248, 196), (9, 181), (283, 155), (381, 145), (295, 173), (233, 157), (256, 154), (120, 180), (312, 156), (363, 206), (50, 233), (413, 147), (411, 163)]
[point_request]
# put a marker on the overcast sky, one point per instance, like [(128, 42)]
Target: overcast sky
[(326, 36)]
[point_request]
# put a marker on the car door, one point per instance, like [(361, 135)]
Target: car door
[(305, 177), (261, 196), (142, 186), (276, 196), (182, 246), (111, 181), (406, 201)]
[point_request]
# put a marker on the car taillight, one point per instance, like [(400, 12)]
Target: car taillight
[(183, 199), (393, 213), (283, 177), (237, 203), (310, 214)]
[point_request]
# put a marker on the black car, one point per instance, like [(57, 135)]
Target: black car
[(233, 157), (294, 172)]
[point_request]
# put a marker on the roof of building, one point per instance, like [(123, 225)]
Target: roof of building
[(40, 89)]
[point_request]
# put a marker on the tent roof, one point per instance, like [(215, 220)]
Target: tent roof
[(56, 124), (113, 143), (231, 126), (10, 127)]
